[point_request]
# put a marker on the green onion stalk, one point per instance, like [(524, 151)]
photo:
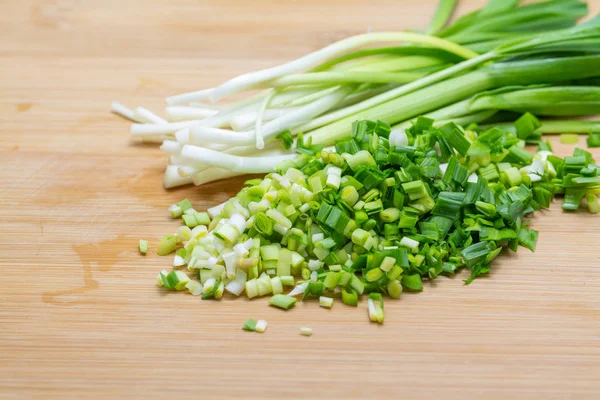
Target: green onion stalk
[(391, 76)]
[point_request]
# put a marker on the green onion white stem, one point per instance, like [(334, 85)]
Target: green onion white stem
[(306, 331), (183, 113), (158, 129), (186, 98), (123, 111), (244, 122), (147, 116)]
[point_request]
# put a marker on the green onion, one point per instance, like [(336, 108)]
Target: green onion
[(202, 218), (526, 125), (176, 280), (287, 280), (360, 237), (528, 238), (375, 307), (195, 288), (394, 289), (442, 15), (263, 224), (569, 138), (349, 195), (373, 275), (304, 331), (261, 326), (412, 282), (349, 297), (593, 140), (184, 204), (593, 204), (282, 301), (167, 245), (175, 211), (390, 215), (143, 246), (190, 221), (326, 302), (284, 262), (249, 325)]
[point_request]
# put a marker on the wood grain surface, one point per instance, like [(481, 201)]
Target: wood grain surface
[(80, 316)]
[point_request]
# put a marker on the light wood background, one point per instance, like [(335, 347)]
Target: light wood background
[(80, 316)]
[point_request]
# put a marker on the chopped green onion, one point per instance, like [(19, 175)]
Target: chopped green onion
[(360, 159), (184, 204), (175, 211), (143, 246), (174, 280), (287, 280), (410, 243), (167, 245), (249, 325), (227, 233), (593, 140), (202, 218), (276, 285), (326, 302), (412, 282), (360, 237), (304, 331), (526, 126), (511, 177), (282, 301), (395, 272), (195, 288), (190, 221), (569, 138), (390, 215), (261, 326), (349, 195), (279, 218), (375, 307), (374, 275), (263, 224), (528, 238), (387, 264), (349, 297), (394, 289), (593, 203), (284, 262)]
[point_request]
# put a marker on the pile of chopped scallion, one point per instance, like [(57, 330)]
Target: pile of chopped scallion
[(377, 214)]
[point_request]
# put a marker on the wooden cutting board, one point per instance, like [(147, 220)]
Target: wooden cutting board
[(80, 316)]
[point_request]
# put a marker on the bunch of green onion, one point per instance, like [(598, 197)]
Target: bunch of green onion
[(503, 58), (377, 214)]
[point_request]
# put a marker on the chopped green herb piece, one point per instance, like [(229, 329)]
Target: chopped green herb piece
[(184, 204), (167, 245), (593, 203), (526, 126), (349, 297), (569, 138), (282, 301), (412, 282), (593, 140), (250, 325), (143, 246)]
